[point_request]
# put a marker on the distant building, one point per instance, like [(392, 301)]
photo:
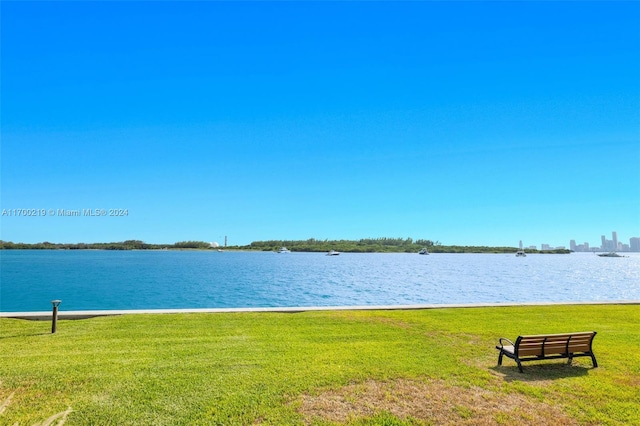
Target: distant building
[(577, 247), (634, 244), (607, 245)]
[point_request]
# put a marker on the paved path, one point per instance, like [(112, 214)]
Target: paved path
[(46, 315)]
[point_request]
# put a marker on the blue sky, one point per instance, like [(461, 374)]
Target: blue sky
[(469, 123)]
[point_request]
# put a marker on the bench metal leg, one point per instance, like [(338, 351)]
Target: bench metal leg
[(593, 359), (519, 366), (500, 358)]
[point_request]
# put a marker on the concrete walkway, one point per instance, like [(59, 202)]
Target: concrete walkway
[(46, 315)]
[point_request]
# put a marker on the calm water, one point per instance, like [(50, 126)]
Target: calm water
[(169, 279)]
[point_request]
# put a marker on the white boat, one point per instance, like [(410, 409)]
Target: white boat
[(284, 250), (424, 251), (521, 253), (333, 253), (610, 254)]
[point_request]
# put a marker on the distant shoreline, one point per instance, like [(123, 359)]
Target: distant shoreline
[(245, 250), (377, 245)]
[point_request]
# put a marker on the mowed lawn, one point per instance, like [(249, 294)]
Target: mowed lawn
[(398, 367)]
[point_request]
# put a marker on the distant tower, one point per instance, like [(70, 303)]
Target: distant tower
[(604, 243), (520, 244), (614, 235), (225, 240), (572, 245)]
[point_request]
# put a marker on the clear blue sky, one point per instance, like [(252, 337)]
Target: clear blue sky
[(479, 123)]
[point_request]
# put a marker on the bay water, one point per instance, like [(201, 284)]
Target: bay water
[(101, 280)]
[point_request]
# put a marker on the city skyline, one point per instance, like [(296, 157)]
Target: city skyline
[(614, 244)]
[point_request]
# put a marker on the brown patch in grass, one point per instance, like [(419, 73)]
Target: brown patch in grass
[(59, 418), (433, 402), (631, 381), (4, 404)]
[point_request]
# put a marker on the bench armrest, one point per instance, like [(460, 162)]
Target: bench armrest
[(504, 339)]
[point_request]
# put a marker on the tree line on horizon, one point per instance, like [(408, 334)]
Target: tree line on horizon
[(380, 245), (122, 245), (365, 245)]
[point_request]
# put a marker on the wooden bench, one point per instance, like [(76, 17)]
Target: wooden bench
[(548, 346)]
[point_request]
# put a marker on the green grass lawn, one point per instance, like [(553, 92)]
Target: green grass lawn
[(321, 368)]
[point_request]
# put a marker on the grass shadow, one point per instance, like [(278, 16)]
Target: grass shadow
[(13, 336), (540, 372)]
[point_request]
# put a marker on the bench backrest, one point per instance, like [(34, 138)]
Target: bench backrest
[(554, 344)]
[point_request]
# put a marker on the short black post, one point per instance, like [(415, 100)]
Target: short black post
[(54, 317)]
